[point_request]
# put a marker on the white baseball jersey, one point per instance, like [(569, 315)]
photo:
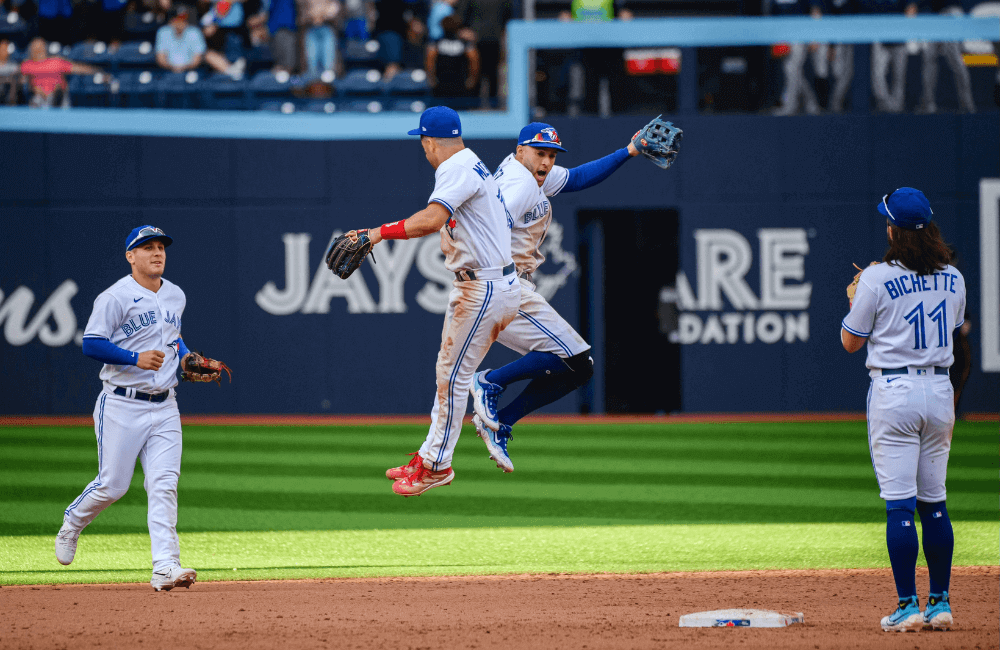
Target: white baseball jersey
[(909, 320), (530, 209), (477, 236), (137, 319)]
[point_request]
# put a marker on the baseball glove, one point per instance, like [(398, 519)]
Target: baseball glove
[(658, 141), (199, 368), (345, 255), (853, 286)]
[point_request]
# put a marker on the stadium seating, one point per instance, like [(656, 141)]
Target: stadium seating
[(134, 55), (141, 26), (267, 86), (14, 28), (406, 105), (259, 58), (321, 106), (370, 105), (360, 54), (92, 90), (91, 53), (179, 89), (361, 83), (408, 83), (276, 106), (222, 92), (138, 89)]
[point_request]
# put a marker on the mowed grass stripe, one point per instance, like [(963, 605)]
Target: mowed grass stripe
[(465, 551), (43, 487)]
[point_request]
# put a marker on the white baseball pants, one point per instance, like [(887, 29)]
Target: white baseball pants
[(478, 310), (127, 429), (539, 328), (910, 423)]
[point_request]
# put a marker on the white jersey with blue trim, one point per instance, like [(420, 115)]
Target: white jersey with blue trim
[(909, 319), (477, 236), (137, 319), (530, 209)]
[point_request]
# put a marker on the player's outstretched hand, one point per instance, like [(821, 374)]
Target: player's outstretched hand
[(150, 360)]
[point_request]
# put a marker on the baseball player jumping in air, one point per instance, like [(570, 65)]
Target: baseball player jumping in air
[(556, 359), (907, 310), (467, 208), (135, 330)]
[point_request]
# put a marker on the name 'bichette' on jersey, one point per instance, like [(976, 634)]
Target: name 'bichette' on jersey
[(137, 319), (917, 315), (477, 236), (530, 208)]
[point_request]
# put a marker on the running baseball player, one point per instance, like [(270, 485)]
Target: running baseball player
[(468, 210), (135, 330), (556, 358), (907, 310)]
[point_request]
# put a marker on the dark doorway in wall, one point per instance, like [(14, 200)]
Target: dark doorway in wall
[(629, 261)]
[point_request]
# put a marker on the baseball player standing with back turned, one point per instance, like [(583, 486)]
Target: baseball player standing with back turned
[(468, 209), (556, 358), (908, 309), (135, 329)]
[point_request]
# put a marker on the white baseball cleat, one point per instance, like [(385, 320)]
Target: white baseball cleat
[(484, 400), (175, 576), (496, 443), (66, 540)]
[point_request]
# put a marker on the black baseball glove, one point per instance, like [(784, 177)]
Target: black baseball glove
[(659, 141), (345, 254)]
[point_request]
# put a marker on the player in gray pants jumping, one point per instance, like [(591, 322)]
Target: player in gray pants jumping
[(907, 311)]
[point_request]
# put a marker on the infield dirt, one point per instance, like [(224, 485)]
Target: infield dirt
[(842, 610)]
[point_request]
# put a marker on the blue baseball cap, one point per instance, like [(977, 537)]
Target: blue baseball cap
[(906, 208), (438, 122), (143, 234), (541, 135)]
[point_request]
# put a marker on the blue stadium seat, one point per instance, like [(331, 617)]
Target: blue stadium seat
[(14, 53), (91, 53), (91, 90), (179, 89), (259, 58), (13, 28), (276, 106), (222, 92), (411, 105), (370, 105), (360, 54), (134, 55), (321, 106), (141, 26), (361, 83), (138, 89), (268, 86), (408, 83)]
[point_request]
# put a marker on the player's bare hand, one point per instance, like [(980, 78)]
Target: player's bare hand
[(150, 360), (375, 235), (632, 151)]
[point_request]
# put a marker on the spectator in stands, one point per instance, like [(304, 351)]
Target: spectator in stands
[(952, 53), (180, 47), (599, 65), (281, 25), (889, 99), (110, 22), (843, 58), (222, 27), (46, 75), (440, 9), (391, 28), (9, 74), (797, 86), (452, 62), (256, 23), (359, 15), (317, 19), (486, 21)]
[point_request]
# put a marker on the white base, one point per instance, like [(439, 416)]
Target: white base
[(740, 618)]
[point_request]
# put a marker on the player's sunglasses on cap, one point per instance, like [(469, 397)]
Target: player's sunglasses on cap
[(906, 208), (144, 233), (540, 135), (438, 122)]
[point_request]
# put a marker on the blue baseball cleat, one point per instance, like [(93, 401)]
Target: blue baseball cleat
[(484, 402), (496, 443), (906, 618), (937, 615)]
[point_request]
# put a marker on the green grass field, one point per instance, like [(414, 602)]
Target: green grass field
[(282, 502)]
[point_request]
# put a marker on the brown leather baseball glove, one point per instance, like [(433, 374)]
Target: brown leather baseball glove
[(198, 368), (853, 286)]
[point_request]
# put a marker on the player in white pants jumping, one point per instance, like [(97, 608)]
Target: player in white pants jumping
[(135, 329), (907, 310), (467, 208), (556, 359)]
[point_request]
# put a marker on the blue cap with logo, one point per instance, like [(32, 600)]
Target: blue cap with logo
[(906, 208), (143, 234), (541, 135), (438, 122)]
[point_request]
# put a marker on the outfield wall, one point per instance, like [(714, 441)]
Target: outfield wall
[(772, 212)]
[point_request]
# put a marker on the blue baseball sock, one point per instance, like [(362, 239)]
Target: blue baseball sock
[(537, 394), (939, 543), (531, 366), (901, 539)]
